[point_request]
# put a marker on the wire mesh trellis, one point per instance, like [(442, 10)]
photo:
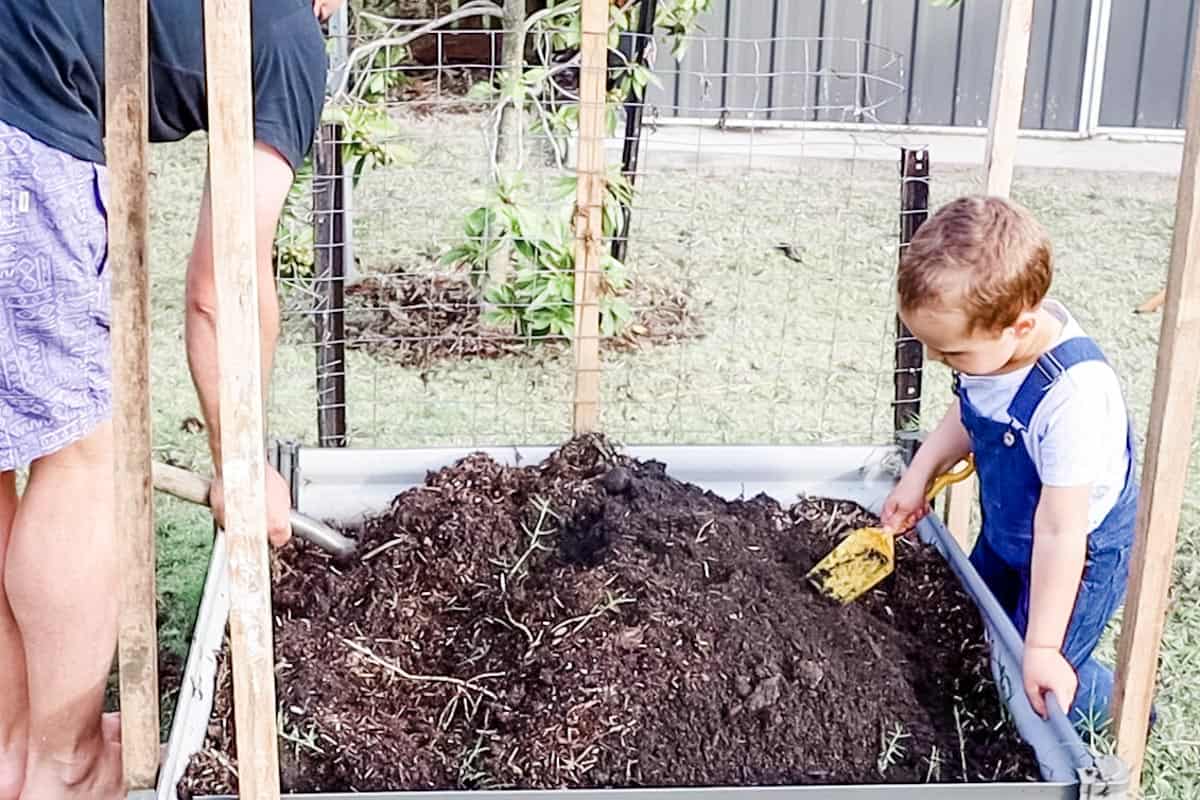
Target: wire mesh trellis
[(757, 260)]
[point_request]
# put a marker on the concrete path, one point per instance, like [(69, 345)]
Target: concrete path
[(693, 145)]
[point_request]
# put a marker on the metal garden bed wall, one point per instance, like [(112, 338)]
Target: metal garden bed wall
[(342, 485)]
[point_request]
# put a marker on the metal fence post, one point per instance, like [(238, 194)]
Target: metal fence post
[(329, 284), (910, 353), (634, 109)]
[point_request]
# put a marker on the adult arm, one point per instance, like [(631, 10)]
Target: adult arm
[(272, 179)]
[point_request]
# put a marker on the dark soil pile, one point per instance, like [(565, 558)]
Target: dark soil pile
[(419, 320), (591, 622)]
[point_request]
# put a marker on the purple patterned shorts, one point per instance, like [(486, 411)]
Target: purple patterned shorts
[(55, 352)]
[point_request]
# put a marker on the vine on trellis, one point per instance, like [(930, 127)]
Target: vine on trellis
[(521, 253)]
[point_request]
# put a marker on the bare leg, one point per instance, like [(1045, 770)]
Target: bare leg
[(62, 582), (14, 694)]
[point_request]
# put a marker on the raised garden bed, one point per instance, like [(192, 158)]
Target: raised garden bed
[(592, 622)]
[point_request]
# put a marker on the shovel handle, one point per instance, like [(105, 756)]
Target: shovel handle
[(181, 483), (193, 488), (953, 476)]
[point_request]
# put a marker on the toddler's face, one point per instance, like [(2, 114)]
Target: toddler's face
[(944, 334)]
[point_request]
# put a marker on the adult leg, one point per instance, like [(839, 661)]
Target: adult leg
[(14, 695), (62, 580)]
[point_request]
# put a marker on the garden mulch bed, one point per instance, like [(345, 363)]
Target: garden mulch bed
[(591, 622), (420, 320)]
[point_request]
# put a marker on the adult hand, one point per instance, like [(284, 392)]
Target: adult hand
[(1046, 670), (324, 9), (279, 506)]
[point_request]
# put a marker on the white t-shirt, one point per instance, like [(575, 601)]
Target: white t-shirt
[(1077, 434)]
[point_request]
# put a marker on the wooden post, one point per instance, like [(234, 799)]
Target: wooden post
[(1008, 95), (126, 136), (589, 212), (231, 166), (1168, 447)]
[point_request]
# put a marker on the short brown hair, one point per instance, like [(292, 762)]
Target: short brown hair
[(987, 255)]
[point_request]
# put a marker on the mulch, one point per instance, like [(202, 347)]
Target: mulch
[(420, 320)]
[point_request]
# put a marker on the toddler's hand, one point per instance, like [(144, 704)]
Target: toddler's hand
[(324, 9), (1046, 670), (905, 506)]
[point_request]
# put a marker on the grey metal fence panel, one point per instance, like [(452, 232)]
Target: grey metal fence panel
[(699, 84), (892, 29), (1149, 55), (1122, 63), (843, 58), (750, 48), (1040, 40), (1166, 45), (799, 62), (797, 25), (981, 22), (1063, 92), (933, 65)]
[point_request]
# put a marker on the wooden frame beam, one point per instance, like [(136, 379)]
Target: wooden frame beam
[(1004, 123), (589, 214), (231, 169), (127, 145), (1168, 450)]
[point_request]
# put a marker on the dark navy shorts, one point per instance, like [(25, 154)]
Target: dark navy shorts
[(55, 351)]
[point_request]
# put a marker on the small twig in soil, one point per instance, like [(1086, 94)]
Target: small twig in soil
[(611, 604), (221, 759), (534, 641), (891, 748), (468, 685), (468, 773), (962, 742), (381, 549), (534, 536), (700, 535), (293, 735), (935, 765)]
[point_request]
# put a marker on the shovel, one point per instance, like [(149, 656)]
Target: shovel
[(191, 487), (867, 555)]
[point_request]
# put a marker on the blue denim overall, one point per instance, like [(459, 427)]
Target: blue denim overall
[(1010, 489)]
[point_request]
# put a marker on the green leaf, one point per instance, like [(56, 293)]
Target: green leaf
[(482, 92)]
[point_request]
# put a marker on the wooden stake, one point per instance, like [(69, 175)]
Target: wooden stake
[(231, 165), (126, 139), (1168, 448), (589, 213), (1008, 95)]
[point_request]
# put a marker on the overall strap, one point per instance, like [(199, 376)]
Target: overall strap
[(1045, 372)]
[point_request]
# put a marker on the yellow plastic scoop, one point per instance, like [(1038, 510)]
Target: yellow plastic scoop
[(868, 555)]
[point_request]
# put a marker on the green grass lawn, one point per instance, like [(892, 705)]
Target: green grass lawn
[(793, 351)]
